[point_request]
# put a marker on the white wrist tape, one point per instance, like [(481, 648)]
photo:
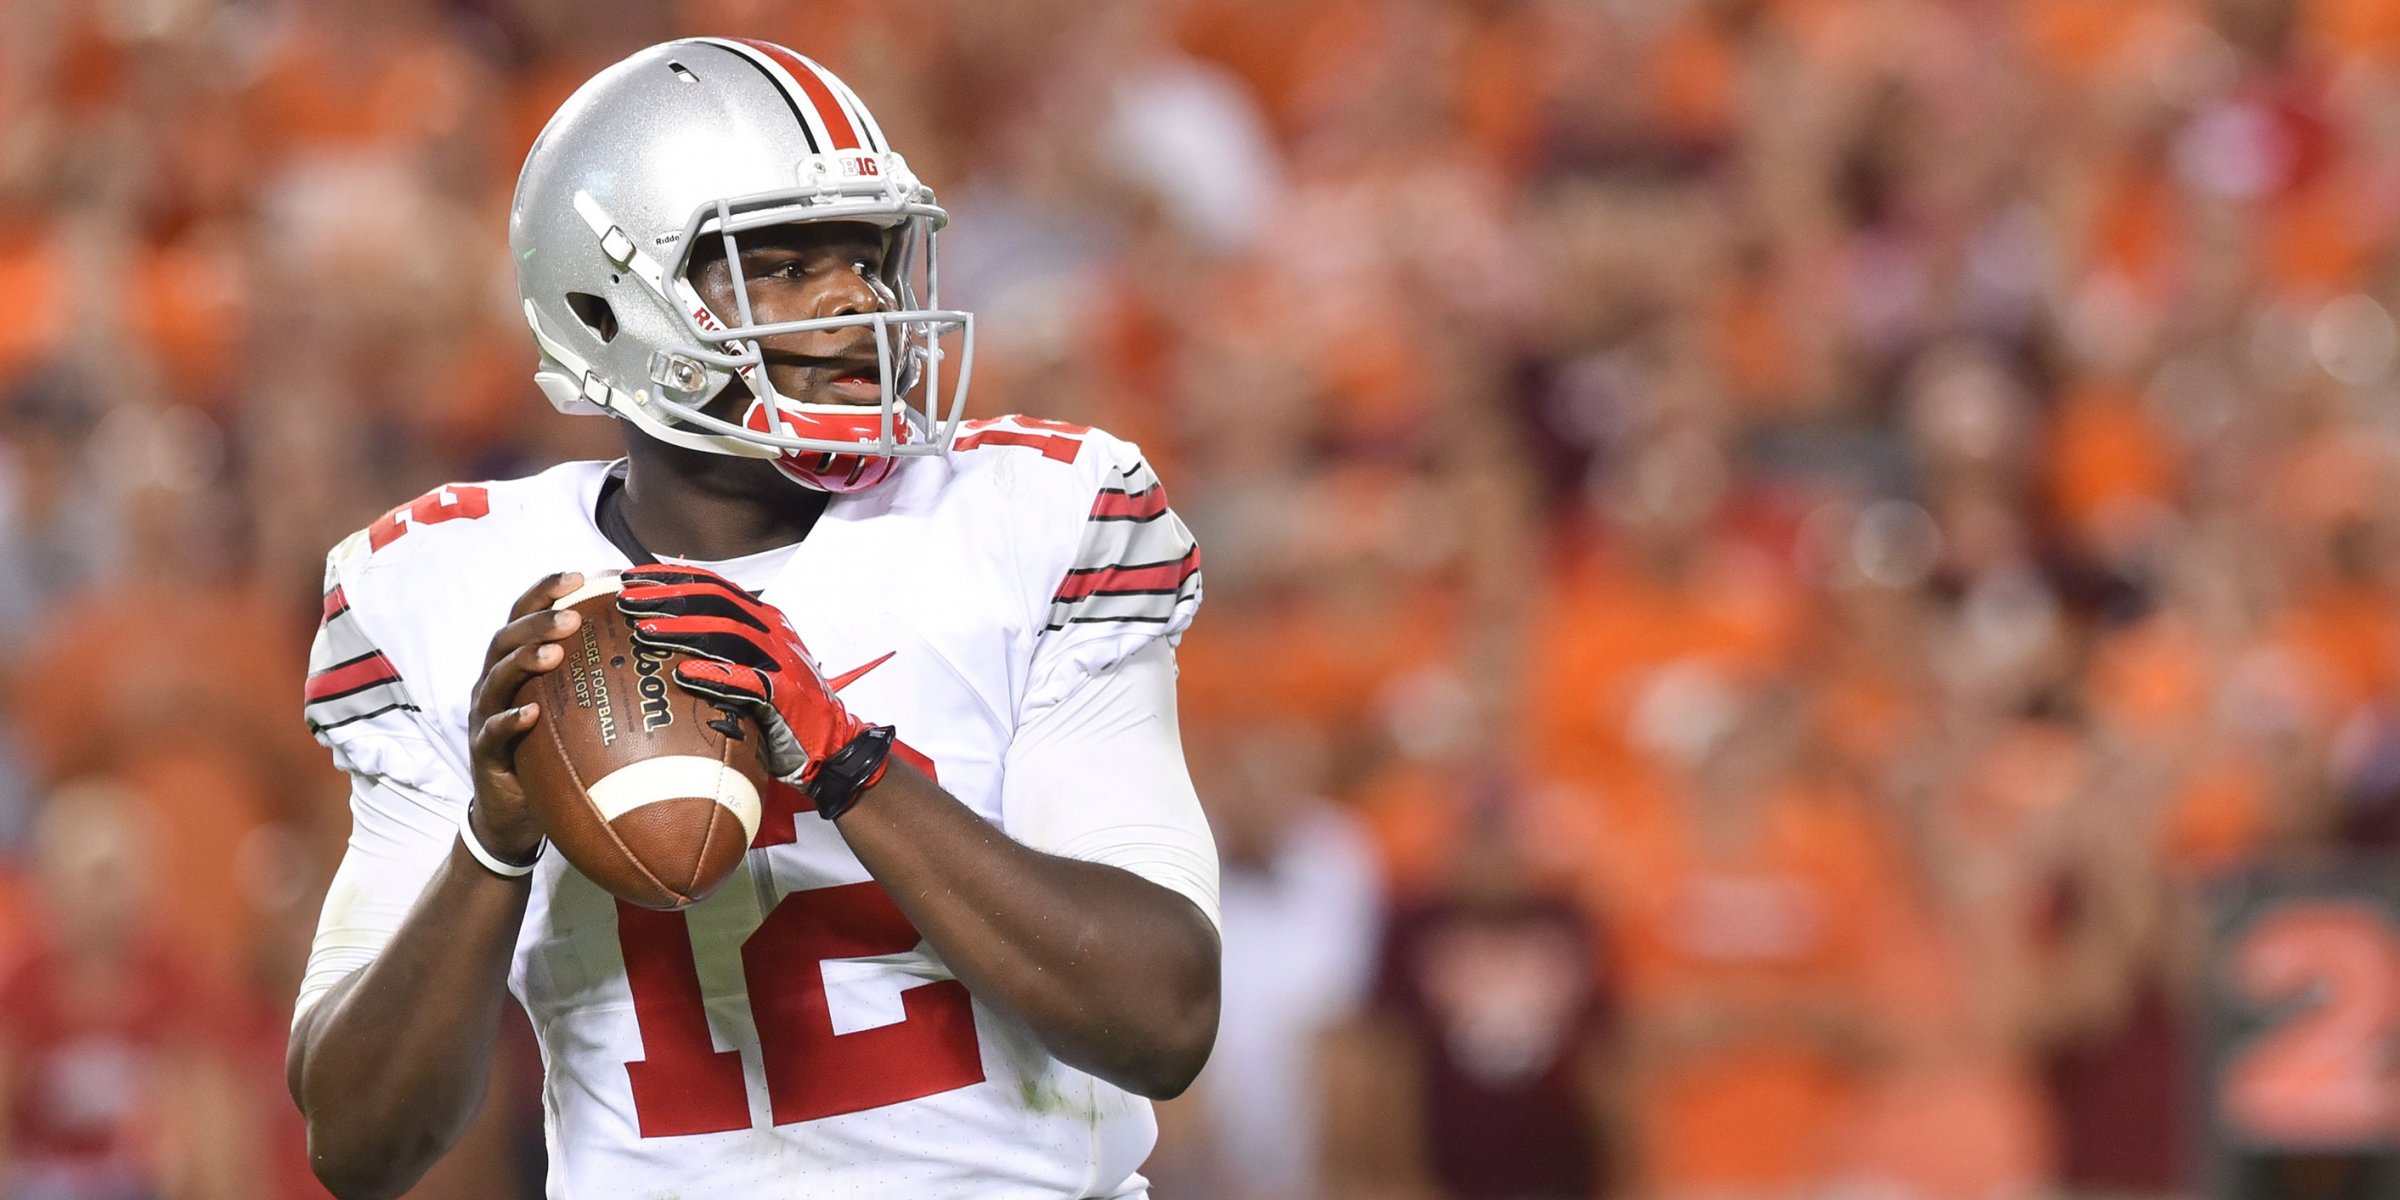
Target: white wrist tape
[(491, 861)]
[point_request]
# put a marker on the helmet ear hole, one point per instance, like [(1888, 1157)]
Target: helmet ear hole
[(595, 313)]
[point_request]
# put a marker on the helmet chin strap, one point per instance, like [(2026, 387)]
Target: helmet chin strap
[(576, 384), (623, 251)]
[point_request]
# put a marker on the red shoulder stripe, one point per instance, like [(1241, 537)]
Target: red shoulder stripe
[(837, 119), (1139, 506), (358, 674), (1146, 577)]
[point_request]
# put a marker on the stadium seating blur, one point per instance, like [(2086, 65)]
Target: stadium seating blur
[(1766, 558)]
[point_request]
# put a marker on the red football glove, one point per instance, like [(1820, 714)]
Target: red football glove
[(750, 659)]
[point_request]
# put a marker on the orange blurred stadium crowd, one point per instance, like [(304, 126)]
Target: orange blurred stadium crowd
[(1763, 555)]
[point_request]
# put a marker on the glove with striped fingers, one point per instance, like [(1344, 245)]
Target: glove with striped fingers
[(750, 659)]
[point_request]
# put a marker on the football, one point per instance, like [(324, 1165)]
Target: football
[(650, 791)]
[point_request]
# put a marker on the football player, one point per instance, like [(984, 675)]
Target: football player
[(978, 927)]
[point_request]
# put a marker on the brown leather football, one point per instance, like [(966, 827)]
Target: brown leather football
[(649, 790)]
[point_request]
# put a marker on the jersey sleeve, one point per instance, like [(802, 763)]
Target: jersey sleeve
[(400, 833), (350, 679), (406, 796), (1095, 768), (1101, 777), (1130, 576)]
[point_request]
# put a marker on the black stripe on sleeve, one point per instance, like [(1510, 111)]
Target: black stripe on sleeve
[(314, 727)]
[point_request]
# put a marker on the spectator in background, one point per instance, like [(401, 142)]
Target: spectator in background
[(1303, 912), (114, 1084), (1745, 889), (1484, 1067), (57, 535), (2119, 940)]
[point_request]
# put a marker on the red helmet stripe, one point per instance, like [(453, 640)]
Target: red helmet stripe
[(858, 112), (830, 109), (812, 122)]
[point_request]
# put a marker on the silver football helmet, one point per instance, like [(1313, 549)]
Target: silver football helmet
[(708, 138)]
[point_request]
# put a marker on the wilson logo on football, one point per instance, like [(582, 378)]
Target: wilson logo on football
[(656, 712)]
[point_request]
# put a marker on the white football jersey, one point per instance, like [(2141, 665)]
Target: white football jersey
[(793, 1035)]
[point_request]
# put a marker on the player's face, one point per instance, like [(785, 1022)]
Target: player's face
[(799, 273)]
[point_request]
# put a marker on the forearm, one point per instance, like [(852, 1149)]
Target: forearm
[(1116, 975), (391, 1064)]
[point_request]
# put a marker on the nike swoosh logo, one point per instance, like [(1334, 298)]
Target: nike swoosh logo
[(853, 675)]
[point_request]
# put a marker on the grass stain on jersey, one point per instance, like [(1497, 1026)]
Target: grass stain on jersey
[(1039, 1099)]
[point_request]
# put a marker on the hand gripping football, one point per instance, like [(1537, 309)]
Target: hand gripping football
[(649, 790)]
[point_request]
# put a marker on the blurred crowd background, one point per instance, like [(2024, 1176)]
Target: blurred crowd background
[(1768, 560)]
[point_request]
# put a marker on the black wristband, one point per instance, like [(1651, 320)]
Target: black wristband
[(850, 771)]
